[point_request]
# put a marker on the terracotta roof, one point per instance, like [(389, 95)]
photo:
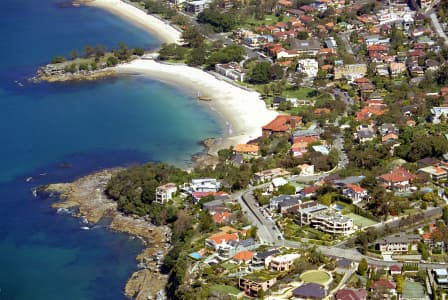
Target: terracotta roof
[(383, 283), (310, 190), (244, 255), (222, 217), (306, 139), (351, 294), (356, 188), (377, 48), (398, 175), (362, 80), (224, 237), (244, 148), (395, 268), (281, 123)]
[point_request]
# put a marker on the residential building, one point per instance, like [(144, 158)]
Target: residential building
[(197, 6), (398, 179), (383, 289), (281, 125), (231, 70), (308, 47), (262, 259), (439, 113), (284, 201), (395, 270), (351, 294), (252, 285), (355, 192), (309, 291), (397, 69), (165, 192), (247, 150), (205, 185), (441, 277), (276, 183), (307, 66), (350, 71), (244, 257), (270, 174), (333, 223), (282, 263), (307, 211), (398, 243), (435, 172)]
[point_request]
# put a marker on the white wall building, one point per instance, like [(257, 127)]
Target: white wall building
[(165, 192), (308, 66)]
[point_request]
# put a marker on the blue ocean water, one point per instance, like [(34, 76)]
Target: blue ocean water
[(90, 126)]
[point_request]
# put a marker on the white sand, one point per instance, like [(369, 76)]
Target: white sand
[(243, 111), (165, 32)]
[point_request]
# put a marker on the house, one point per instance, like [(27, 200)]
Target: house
[(365, 134), (165, 192), (284, 201), (395, 270), (248, 151), (333, 223), (309, 191), (308, 47), (281, 125), (244, 257), (308, 66), (283, 263), (300, 135), (202, 185), (307, 211), (438, 114), (309, 291), (398, 243), (231, 70), (398, 179), (270, 174), (220, 239), (383, 289), (197, 6), (306, 169), (261, 260), (252, 284), (397, 69), (350, 71), (435, 172), (233, 247), (355, 192), (351, 294), (276, 183), (222, 217), (441, 277)]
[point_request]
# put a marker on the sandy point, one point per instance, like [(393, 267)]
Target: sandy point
[(244, 111)]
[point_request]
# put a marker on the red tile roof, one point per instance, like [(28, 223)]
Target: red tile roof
[(224, 237), (356, 188), (282, 123), (398, 175), (383, 283), (244, 256), (221, 218), (351, 294)]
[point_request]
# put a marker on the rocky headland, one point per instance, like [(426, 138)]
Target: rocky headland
[(87, 195)]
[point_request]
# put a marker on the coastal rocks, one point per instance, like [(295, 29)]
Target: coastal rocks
[(87, 195), (56, 73)]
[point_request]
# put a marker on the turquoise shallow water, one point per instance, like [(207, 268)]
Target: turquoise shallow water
[(91, 126)]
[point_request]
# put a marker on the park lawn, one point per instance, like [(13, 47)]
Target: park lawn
[(301, 94), (225, 289), (315, 276), (360, 220), (268, 20), (413, 290)]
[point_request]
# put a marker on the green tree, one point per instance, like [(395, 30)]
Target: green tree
[(261, 73), (193, 37), (58, 59), (445, 214), (362, 267), (197, 56)]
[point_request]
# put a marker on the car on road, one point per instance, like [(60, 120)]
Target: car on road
[(279, 237)]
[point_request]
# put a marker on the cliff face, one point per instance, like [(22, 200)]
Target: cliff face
[(87, 194)]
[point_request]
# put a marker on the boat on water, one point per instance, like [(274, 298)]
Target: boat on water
[(29, 179), (85, 228), (34, 192), (204, 98)]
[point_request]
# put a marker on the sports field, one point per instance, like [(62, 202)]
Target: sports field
[(316, 276), (359, 220)]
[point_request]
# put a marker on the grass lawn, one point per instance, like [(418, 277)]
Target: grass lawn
[(359, 220), (268, 20), (316, 276), (301, 94), (225, 289)]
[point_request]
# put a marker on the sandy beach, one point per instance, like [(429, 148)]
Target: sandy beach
[(243, 111), (163, 31)]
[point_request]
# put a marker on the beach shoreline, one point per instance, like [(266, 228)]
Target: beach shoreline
[(165, 32), (243, 112)]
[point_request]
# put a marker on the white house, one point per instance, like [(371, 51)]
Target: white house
[(165, 192), (308, 66), (231, 70)]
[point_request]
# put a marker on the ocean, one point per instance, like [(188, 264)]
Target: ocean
[(59, 132)]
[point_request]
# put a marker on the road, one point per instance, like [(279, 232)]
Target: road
[(438, 27)]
